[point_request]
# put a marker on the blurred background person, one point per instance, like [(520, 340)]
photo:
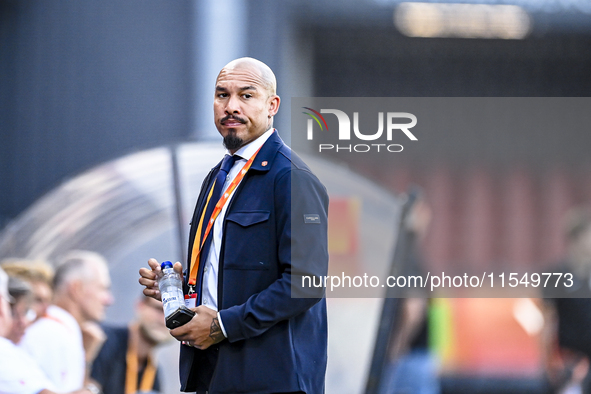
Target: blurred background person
[(39, 275), (412, 367), (126, 363), (566, 339), (22, 314), (67, 338), (19, 374)]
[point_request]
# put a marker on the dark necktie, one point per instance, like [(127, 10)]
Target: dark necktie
[(220, 179)]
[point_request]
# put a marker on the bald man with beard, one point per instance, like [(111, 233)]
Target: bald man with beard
[(260, 223)]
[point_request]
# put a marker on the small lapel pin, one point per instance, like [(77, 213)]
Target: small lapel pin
[(264, 164)]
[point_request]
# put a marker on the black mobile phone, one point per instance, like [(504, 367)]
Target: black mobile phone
[(179, 317)]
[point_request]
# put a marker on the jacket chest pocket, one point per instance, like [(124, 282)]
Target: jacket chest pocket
[(248, 240)]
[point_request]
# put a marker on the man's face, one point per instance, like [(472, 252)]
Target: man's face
[(42, 294), (20, 318), (243, 107), (96, 294), (151, 321)]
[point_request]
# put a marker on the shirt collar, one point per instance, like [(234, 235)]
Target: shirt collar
[(250, 149)]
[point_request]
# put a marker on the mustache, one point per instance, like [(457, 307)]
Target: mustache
[(236, 118)]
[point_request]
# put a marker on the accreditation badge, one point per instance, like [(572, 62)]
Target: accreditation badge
[(191, 300)]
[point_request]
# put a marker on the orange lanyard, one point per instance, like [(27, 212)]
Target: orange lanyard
[(131, 377), (198, 243)]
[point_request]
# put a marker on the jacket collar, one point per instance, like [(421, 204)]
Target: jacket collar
[(264, 159)]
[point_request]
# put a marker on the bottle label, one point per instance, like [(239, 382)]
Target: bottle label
[(170, 302), (169, 297)]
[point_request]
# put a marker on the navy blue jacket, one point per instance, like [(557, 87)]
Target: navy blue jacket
[(275, 231)]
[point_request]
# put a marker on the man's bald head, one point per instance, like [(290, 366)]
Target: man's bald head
[(267, 77), (245, 102)]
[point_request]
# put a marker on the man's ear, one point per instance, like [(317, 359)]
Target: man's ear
[(274, 102), (76, 289), (3, 306), (5, 317)]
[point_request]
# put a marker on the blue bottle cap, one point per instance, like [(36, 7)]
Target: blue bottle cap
[(166, 264)]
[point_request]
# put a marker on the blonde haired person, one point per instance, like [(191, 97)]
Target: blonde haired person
[(38, 274), (19, 374)]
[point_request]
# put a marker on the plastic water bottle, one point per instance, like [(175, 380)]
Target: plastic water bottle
[(171, 290)]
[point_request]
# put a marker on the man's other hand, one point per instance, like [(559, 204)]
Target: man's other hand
[(202, 331), (149, 278)]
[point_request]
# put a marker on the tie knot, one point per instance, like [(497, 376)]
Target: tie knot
[(228, 163)]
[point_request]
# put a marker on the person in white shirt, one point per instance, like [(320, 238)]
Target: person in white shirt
[(57, 341), (19, 374)]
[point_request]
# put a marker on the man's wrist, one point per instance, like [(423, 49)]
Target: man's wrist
[(93, 388), (222, 325)]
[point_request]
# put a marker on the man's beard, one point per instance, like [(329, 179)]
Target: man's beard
[(156, 334), (232, 141)]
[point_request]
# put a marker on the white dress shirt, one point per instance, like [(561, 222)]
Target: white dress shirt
[(211, 269)]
